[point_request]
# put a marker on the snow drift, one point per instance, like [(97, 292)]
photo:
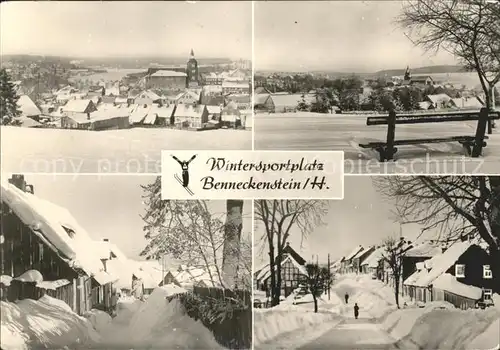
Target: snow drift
[(159, 323), (46, 323), (271, 323)]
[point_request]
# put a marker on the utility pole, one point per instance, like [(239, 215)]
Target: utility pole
[(329, 276)]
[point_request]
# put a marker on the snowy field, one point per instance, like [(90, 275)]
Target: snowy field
[(134, 150), (154, 324), (436, 325), (344, 132)]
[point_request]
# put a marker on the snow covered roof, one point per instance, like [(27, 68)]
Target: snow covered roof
[(214, 109), (188, 94), (439, 98), (183, 110), (439, 264), (27, 107), (189, 276), (373, 259), (353, 253), (236, 84), (426, 249), (28, 122), (79, 106), (261, 98), (467, 102), (57, 228), (149, 95), (266, 271), (168, 73), (138, 113), (291, 100), (450, 284)]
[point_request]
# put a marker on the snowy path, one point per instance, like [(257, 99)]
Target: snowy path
[(353, 334), (310, 131)]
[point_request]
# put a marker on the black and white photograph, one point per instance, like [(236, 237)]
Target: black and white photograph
[(85, 84), (93, 262), (400, 263), (399, 86)]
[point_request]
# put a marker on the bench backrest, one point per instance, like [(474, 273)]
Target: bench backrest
[(431, 118)]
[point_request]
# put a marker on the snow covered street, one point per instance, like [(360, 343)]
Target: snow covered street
[(380, 324), (353, 334)]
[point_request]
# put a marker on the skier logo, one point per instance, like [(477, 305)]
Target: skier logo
[(185, 173)]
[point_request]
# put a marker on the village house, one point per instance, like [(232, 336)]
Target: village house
[(359, 258), (418, 254), (473, 103), (293, 273), (214, 113), (347, 266), (235, 87), (166, 79), (108, 117), (373, 264), (461, 275), (212, 78), (147, 97), (45, 251), (263, 103), (241, 101), (76, 114), (439, 101), (189, 116), (187, 97)]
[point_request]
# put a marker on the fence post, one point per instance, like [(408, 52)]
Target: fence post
[(480, 132), (74, 291), (391, 134)]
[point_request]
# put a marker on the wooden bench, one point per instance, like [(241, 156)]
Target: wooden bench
[(473, 145)]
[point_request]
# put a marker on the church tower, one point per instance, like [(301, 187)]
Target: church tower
[(192, 71), (407, 74)]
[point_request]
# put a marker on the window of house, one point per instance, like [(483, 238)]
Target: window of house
[(460, 270), (487, 273), (487, 294)]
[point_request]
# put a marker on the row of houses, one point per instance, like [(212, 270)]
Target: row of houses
[(44, 250), (280, 102), (460, 273), (146, 109)]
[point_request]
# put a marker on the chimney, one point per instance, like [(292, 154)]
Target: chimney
[(88, 116), (18, 181)]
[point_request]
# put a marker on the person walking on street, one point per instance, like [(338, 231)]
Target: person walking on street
[(346, 296), (356, 311)]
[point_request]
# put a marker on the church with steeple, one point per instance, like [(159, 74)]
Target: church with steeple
[(192, 71)]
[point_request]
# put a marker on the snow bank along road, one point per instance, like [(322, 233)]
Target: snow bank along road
[(344, 132)]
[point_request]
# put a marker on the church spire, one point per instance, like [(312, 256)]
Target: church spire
[(192, 54)]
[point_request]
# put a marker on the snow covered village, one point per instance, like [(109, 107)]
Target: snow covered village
[(166, 85), (399, 263), (400, 85), (184, 281)]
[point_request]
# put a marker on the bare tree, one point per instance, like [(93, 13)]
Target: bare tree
[(318, 280), (279, 217), (469, 29), (393, 255), (198, 237), (232, 239), (454, 207)]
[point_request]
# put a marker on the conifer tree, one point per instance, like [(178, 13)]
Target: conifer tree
[(8, 100)]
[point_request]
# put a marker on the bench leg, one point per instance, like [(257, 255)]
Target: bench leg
[(381, 152), (390, 152), (467, 149)]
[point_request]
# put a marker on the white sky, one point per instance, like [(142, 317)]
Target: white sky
[(335, 35), (134, 28), (362, 217), (110, 206)]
